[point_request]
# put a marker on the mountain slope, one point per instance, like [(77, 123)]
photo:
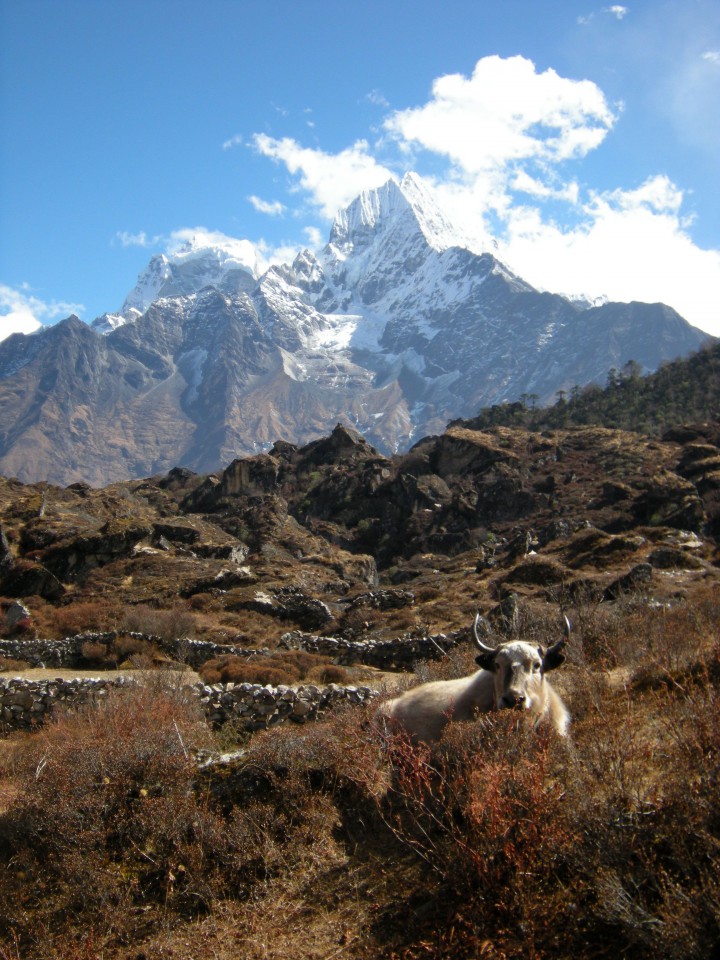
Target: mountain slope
[(395, 328)]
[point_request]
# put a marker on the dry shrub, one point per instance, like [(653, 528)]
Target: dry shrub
[(121, 650), (111, 829), (330, 673), (106, 817), (124, 647), (283, 667), (300, 659), (175, 623), (8, 664), (644, 786), (484, 814), (205, 603), (84, 616), (597, 629), (95, 654), (231, 669), (670, 642)]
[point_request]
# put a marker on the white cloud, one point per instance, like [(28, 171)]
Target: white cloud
[(631, 245), (315, 237), (190, 241), (235, 141), (332, 180), (273, 208), (658, 194), (377, 98), (21, 312), (712, 56), (140, 239), (504, 113), (617, 11), (524, 183)]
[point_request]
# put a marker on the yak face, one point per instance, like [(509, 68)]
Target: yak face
[(518, 669)]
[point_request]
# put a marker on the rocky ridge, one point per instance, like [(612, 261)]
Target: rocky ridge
[(337, 542)]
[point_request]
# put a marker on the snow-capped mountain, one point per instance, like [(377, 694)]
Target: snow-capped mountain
[(394, 327), (199, 261)]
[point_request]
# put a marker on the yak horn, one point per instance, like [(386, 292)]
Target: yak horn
[(483, 647), (559, 644)]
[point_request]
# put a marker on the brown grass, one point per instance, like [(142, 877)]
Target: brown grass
[(331, 840), (282, 667)]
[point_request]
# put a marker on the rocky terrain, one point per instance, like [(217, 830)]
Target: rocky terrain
[(333, 538), (290, 824)]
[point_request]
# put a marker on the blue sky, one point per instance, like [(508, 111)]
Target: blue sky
[(583, 137)]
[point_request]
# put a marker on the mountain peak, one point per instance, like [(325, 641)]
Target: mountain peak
[(408, 206), (199, 259)]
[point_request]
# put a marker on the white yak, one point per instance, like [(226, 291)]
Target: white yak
[(512, 675)]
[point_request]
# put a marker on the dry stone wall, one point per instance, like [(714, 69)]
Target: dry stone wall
[(67, 652), (256, 707), (50, 653), (27, 703), (402, 653)]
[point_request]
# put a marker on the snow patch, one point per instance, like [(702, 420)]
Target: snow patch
[(190, 364)]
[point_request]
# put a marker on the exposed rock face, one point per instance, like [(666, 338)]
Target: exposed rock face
[(394, 327)]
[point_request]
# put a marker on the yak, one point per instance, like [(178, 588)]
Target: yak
[(512, 676)]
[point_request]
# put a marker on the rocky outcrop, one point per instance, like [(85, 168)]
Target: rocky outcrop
[(335, 539), (23, 578)]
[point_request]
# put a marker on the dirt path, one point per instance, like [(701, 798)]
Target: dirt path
[(64, 673)]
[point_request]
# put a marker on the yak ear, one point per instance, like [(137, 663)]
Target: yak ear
[(553, 659), (486, 660)]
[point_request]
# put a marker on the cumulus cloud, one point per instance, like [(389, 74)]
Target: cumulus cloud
[(504, 113), (331, 180), (504, 123), (21, 312), (190, 241), (617, 11), (504, 145), (629, 245), (273, 208), (235, 141)]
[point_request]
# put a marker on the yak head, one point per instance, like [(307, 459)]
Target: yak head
[(519, 668)]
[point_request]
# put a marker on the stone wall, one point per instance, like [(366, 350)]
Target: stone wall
[(197, 652), (67, 653), (50, 653), (256, 707), (27, 703), (402, 653)]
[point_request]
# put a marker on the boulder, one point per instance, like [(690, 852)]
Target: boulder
[(638, 578), (27, 579)]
